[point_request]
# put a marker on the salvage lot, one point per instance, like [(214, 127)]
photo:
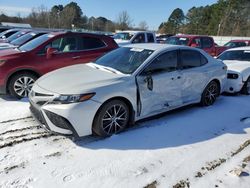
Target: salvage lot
[(196, 147)]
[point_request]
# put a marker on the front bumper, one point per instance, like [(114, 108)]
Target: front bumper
[(68, 119), (234, 85)]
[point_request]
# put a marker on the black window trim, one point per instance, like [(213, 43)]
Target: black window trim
[(180, 59), (178, 62), (105, 45)]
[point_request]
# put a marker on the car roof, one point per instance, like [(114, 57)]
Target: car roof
[(239, 40), (157, 46), (240, 48), (132, 31), (189, 36)]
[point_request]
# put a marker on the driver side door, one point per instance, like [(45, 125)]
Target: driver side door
[(159, 85)]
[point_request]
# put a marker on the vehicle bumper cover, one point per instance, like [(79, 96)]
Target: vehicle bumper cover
[(78, 117)]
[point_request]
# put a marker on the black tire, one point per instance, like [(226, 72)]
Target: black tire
[(246, 87), (210, 93), (106, 123), (21, 82)]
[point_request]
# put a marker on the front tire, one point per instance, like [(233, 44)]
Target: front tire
[(210, 93), (246, 88), (111, 118), (20, 85)]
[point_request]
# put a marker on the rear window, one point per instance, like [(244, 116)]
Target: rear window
[(192, 59), (207, 42), (178, 41), (90, 43)]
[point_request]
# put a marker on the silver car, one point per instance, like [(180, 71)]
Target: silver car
[(124, 86)]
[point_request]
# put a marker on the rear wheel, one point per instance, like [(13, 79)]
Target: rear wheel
[(246, 88), (210, 93), (111, 118), (20, 84)]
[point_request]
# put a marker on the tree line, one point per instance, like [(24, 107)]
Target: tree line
[(71, 16), (224, 18)]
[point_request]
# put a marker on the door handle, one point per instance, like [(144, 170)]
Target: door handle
[(76, 57), (178, 77)]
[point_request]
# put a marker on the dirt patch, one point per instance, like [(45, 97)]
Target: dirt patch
[(151, 185), (20, 130), (8, 169), (242, 147), (55, 154), (15, 142), (182, 184), (12, 120)]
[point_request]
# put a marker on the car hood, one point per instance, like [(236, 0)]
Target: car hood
[(77, 79), (9, 52), (5, 44), (238, 66)]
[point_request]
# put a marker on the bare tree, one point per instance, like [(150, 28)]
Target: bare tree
[(143, 25), (124, 21)]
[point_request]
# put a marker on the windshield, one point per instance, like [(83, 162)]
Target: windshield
[(239, 55), (123, 36), (16, 35), (178, 41), (23, 39), (235, 44), (35, 43), (125, 60)]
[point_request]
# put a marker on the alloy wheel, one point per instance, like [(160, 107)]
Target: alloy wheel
[(23, 85), (211, 94), (114, 119)]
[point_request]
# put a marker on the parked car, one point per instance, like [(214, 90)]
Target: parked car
[(4, 28), (238, 76), (124, 86), (162, 38), (4, 35), (237, 43), (205, 43), (22, 40), (15, 36), (128, 37), (20, 67)]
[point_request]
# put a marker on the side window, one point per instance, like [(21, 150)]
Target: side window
[(207, 42), (87, 43), (166, 62), (140, 38), (150, 37), (196, 42), (192, 59), (54, 44)]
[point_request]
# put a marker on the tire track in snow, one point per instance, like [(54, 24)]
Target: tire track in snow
[(13, 120)]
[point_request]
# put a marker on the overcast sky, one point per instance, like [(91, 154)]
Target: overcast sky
[(152, 11)]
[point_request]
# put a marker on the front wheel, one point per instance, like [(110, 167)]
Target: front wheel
[(246, 88), (20, 85), (210, 93), (111, 118)]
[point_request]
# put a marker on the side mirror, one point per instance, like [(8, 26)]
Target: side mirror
[(51, 52), (148, 79)]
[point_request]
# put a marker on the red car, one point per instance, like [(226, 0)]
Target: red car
[(20, 67), (237, 43), (198, 41)]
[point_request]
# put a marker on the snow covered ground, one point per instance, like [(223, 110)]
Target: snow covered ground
[(194, 147)]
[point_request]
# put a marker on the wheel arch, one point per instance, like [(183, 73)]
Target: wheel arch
[(20, 71), (126, 101)]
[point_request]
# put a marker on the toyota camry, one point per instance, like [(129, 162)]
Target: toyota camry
[(124, 86)]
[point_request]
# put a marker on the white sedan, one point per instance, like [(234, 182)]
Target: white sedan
[(238, 63), (124, 86)]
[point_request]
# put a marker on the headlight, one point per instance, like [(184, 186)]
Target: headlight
[(2, 61), (67, 99), (232, 76)]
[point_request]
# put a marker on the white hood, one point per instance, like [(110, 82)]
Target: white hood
[(238, 66), (121, 42), (77, 79)]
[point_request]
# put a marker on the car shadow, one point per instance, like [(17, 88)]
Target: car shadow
[(188, 125), (10, 98)]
